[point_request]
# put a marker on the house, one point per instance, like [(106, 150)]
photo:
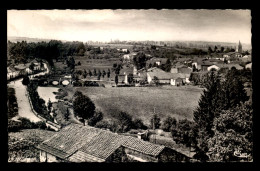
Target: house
[(78, 143), (185, 70), (232, 54), (213, 67), (246, 58), (230, 66), (158, 61), (174, 70), (165, 77), (248, 66), (205, 65)]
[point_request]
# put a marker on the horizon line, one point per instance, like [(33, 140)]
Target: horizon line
[(103, 41)]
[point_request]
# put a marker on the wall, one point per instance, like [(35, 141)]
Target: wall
[(50, 158), (164, 81), (170, 155), (143, 156)]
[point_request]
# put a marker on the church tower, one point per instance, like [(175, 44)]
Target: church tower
[(239, 47)]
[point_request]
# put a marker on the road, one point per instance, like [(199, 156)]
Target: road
[(24, 108)]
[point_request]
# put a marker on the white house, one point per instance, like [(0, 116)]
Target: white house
[(249, 66), (213, 67)]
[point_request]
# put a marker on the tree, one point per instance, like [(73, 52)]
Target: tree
[(222, 49), (210, 50), (26, 80), (108, 73), (139, 60), (215, 49), (208, 103), (125, 121), (117, 67), (104, 73), (90, 73), (95, 72), (156, 80), (233, 90), (31, 67), (116, 79), (155, 121), (66, 115), (168, 123), (83, 107), (49, 105), (233, 132), (167, 66), (184, 132), (130, 78), (98, 116), (138, 124)]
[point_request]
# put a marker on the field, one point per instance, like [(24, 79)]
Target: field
[(141, 102)]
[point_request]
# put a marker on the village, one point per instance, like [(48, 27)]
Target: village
[(60, 79), (179, 97)]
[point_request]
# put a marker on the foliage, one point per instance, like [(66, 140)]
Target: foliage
[(138, 124), (11, 103), (14, 126), (220, 94), (184, 133), (83, 107), (155, 122), (116, 68), (167, 66), (97, 117), (156, 80), (19, 149), (233, 132), (116, 79), (208, 103), (168, 123), (26, 80), (139, 60), (37, 102)]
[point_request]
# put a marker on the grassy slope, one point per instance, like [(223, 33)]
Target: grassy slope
[(140, 101)]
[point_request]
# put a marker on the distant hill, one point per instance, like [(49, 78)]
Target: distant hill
[(192, 44), (28, 39)]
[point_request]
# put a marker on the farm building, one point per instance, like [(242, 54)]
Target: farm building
[(78, 143)]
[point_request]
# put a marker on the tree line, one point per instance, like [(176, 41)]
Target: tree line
[(53, 49)]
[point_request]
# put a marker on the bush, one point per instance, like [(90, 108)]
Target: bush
[(155, 121), (14, 126), (168, 123), (26, 123), (138, 124), (103, 124), (41, 125), (98, 116), (26, 80)]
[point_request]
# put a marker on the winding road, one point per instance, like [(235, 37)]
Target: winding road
[(24, 108)]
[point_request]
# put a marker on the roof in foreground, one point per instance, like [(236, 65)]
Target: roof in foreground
[(79, 143)]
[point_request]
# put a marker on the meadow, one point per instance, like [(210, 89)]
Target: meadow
[(143, 102)]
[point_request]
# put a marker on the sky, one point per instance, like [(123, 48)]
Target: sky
[(155, 25)]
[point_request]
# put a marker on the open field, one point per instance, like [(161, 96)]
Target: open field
[(141, 102)]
